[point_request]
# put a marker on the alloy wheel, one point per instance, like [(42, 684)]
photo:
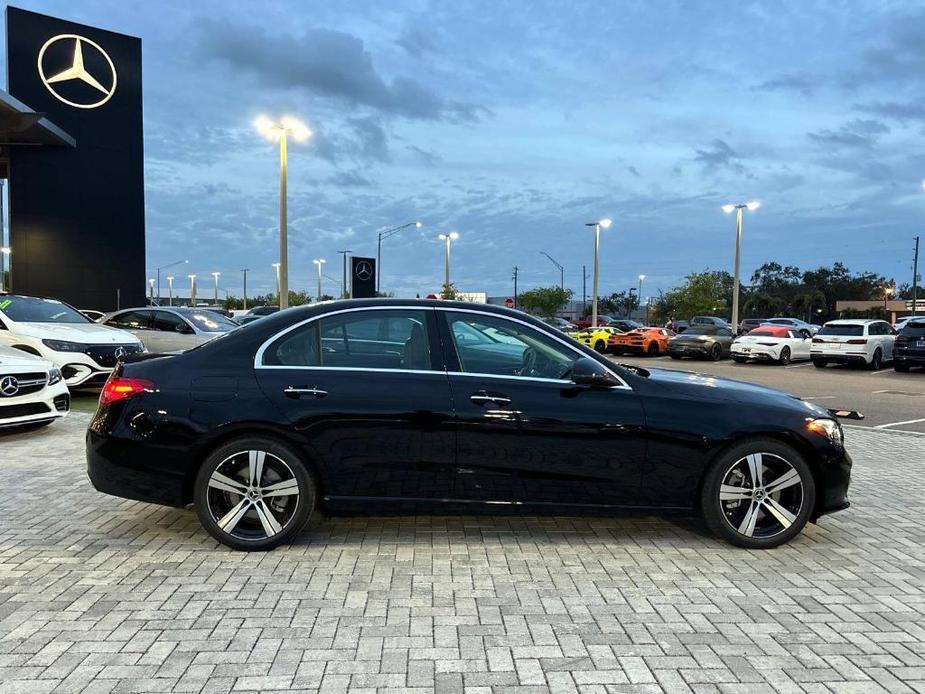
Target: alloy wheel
[(761, 495), (252, 495), (784, 356)]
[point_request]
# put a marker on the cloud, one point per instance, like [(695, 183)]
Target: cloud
[(859, 133), (793, 82), (322, 61), (895, 110), (719, 156), (350, 179), (357, 139), (417, 40)]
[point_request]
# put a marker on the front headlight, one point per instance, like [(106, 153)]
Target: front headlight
[(54, 376), (827, 427), (64, 346)]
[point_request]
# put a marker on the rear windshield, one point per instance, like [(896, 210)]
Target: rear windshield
[(29, 309), (701, 330), (211, 322), (913, 327), (846, 329), (764, 333)]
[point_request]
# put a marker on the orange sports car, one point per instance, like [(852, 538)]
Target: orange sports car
[(650, 341)]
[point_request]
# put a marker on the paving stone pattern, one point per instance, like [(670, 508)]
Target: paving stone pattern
[(99, 594)]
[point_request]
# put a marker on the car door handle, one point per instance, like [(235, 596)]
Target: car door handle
[(482, 398), (296, 393)]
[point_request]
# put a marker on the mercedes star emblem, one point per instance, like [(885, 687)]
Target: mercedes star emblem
[(78, 72), (9, 386), (120, 352), (364, 270)]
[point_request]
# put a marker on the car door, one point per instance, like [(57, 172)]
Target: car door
[(366, 393), (799, 344), (139, 322), (725, 337), (885, 338), (526, 433), (173, 333)]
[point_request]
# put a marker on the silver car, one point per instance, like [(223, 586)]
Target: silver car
[(164, 329)]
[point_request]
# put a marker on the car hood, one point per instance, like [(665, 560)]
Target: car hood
[(86, 333), (707, 387), (11, 358), (684, 337)]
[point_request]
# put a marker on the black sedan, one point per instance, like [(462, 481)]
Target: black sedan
[(701, 341), (909, 348), (437, 405)]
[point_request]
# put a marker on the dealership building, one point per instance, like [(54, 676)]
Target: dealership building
[(72, 163)]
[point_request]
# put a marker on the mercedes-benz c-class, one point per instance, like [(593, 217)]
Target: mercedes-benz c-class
[(437, 406)]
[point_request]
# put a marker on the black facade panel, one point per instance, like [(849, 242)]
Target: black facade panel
[(363, 277), (77, 219)]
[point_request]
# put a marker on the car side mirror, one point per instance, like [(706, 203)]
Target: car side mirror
[(591, 373)]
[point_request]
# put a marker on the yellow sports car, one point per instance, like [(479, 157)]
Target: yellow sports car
[(595, 338)]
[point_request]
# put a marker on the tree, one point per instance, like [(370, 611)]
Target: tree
[(807, 302), (620, 304), (544, 301), (448, 292), (702, 293), (760, 304)]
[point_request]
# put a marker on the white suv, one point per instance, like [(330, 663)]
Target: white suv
[(32, 390), (84, 351), (857, 341)]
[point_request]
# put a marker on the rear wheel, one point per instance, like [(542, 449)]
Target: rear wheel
[(674, 356), (819, 363), (600, 346), (784, 357), (716, 352), (652, 349), (902, 368), (254, 494), (758, 494), (739, 360), (876, 361)]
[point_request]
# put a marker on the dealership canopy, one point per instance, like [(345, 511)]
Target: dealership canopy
[(20, 125)]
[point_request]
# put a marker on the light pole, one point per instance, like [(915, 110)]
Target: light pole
[(448, 238), (245, 270), (737, 208), (192, 290), (343, 285), (639, 293), (319, 262), (4, 252), (166, 267), (215, 276), (151, 291), (170, 290), (278, 294), (598, 225), (561, 269), (384, 235), (281, 130)]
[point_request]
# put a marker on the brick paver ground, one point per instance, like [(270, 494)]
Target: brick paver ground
[(103, 595)]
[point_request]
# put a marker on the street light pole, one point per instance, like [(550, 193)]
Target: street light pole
[(276, 266), (215, 277), (384, 235), (170, 290), (598, 225), (343, 285), (639, 293), (4, 252), (738, 208), (319, 262), (166, 267), (447, 238), (192, 290), (244, 270), (281, 131), (558, 265)]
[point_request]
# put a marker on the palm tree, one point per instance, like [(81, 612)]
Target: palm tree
[(808, 301), (760, 303)]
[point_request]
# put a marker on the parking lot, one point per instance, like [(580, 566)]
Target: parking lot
[(99, 594)]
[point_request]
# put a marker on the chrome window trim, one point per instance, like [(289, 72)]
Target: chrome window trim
[(258, 357)]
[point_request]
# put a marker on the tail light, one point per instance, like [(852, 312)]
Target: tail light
[(857, 342), (902, 338), (768, 344), (818, 340), (116, 389)]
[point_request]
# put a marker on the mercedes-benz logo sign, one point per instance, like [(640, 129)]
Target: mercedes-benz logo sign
[(120, 352), (363, 270), (9, 386), (102, 84)]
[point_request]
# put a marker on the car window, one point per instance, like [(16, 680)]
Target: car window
[(211, 322), (30, 309), (392, 339), (523, 351), (170, 322), (914, 328), (131, 320), (842, 329), (701, 330), (724, 332)]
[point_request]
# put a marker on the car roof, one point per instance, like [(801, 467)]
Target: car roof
[(855, 321), (775, 330)]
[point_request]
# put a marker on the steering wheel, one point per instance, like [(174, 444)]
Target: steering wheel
[(528, 365)]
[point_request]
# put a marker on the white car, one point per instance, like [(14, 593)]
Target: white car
[(800, 326), (84, 351), (776, 343), (32, 390), (853, 341), (167, 329)]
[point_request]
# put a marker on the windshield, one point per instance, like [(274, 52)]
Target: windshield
[(914, 327), (846, 329), (29, 309), (782, 321), (210, 322)]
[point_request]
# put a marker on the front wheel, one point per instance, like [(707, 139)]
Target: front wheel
[(716, 352), (674, 356), (600, 347), (758, 494), (819, 363), (876, 361), (902, 368), (254, 493), (784, 357), (652, 349)]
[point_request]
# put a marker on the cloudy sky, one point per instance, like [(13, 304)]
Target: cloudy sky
[(515, 123)]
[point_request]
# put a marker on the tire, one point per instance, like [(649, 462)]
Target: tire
[(902, 368), (716, 352), (739, 360), (251, 518), (758, 517), (652, 349), (674, 356), (819, 363), (784, 357), (600, 346), (876, 361)]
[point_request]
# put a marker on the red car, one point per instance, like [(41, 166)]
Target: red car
[(586, 322)]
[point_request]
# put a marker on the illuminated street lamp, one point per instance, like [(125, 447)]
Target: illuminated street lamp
[(278, 295), (639, 293), (215, 276), (170, 291), (166, 267), (282, 130), (384, 235), (448, 238), (319, 262), (4, 252), (737, 208), (598, 225), (192, 290), (151, 291)]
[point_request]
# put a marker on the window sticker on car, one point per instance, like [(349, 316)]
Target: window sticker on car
[(5, 303)]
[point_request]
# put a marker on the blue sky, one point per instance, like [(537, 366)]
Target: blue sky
[(515, 123)]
